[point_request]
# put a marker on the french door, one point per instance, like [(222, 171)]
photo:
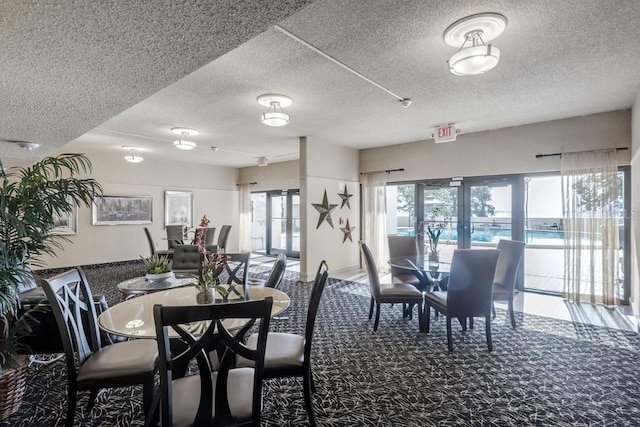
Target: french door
[(283, 222), (477, 212), (469, 213)]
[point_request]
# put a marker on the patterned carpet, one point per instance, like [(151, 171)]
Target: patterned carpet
[(545, 373)]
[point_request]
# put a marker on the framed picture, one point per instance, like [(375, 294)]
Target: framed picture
[(66, 224), (178, 208), (116, 210)]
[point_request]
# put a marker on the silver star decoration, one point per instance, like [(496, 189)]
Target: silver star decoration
[(325, 210), (345, 198), (347, 232)]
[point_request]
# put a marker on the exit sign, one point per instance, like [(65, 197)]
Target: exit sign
[(445, 133)]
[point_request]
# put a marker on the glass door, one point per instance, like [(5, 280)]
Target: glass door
[(284, 223), (440, 219), (487, 216)]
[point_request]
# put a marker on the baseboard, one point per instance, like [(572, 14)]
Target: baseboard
[(53, 271)]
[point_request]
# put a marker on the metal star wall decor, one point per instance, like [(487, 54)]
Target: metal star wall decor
[(347, 232), (325, 210), (345, 196)]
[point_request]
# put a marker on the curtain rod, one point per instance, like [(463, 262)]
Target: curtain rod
[(387, 171), (250, 183), (586, 151)]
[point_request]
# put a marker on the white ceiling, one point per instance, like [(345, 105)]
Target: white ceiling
[(106, 78)]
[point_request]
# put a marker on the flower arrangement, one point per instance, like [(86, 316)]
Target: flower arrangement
[(433, 228), (213, 264)]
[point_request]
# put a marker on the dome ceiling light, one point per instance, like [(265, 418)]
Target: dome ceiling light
[(275, 115), (471, 34), (183, 143)]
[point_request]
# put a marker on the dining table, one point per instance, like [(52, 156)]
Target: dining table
[(133, 318), (433, 276), (138, 286)]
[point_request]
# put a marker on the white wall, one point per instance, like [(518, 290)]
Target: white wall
[(502, 151), (331, 168), (513, 150), (214, 190), (635, 207), (321, 166), (275, 176)]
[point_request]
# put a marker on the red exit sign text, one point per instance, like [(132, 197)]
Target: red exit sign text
[(445, 133)]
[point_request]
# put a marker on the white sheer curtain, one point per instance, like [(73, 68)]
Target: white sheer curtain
[(590, 205), (375, 217), (244, 226)]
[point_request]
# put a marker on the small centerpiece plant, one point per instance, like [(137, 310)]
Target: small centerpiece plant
[(158, 266), (212, 265)]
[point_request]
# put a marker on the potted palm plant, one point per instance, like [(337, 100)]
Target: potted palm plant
[(30, 198)]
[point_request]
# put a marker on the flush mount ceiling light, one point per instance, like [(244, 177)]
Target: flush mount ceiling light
[(133, 156), (183, 143), (262, 161), (26, 145), (471, 34), (275, 116)]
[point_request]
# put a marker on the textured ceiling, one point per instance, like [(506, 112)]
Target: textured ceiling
[(97, 75)]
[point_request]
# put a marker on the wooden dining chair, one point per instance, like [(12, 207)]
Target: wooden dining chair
[(289, 355), (218, 394), (91, 365), (389, 293), (469, 293)]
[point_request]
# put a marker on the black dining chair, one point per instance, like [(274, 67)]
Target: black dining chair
[(275, 275), (289, 355), (469, 293), (91, 365), (218, 394)]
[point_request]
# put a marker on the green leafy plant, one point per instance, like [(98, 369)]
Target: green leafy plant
[(157, 264), (30, 198)]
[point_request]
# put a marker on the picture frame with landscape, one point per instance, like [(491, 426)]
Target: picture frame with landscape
[(119, 210), (66, 224)]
